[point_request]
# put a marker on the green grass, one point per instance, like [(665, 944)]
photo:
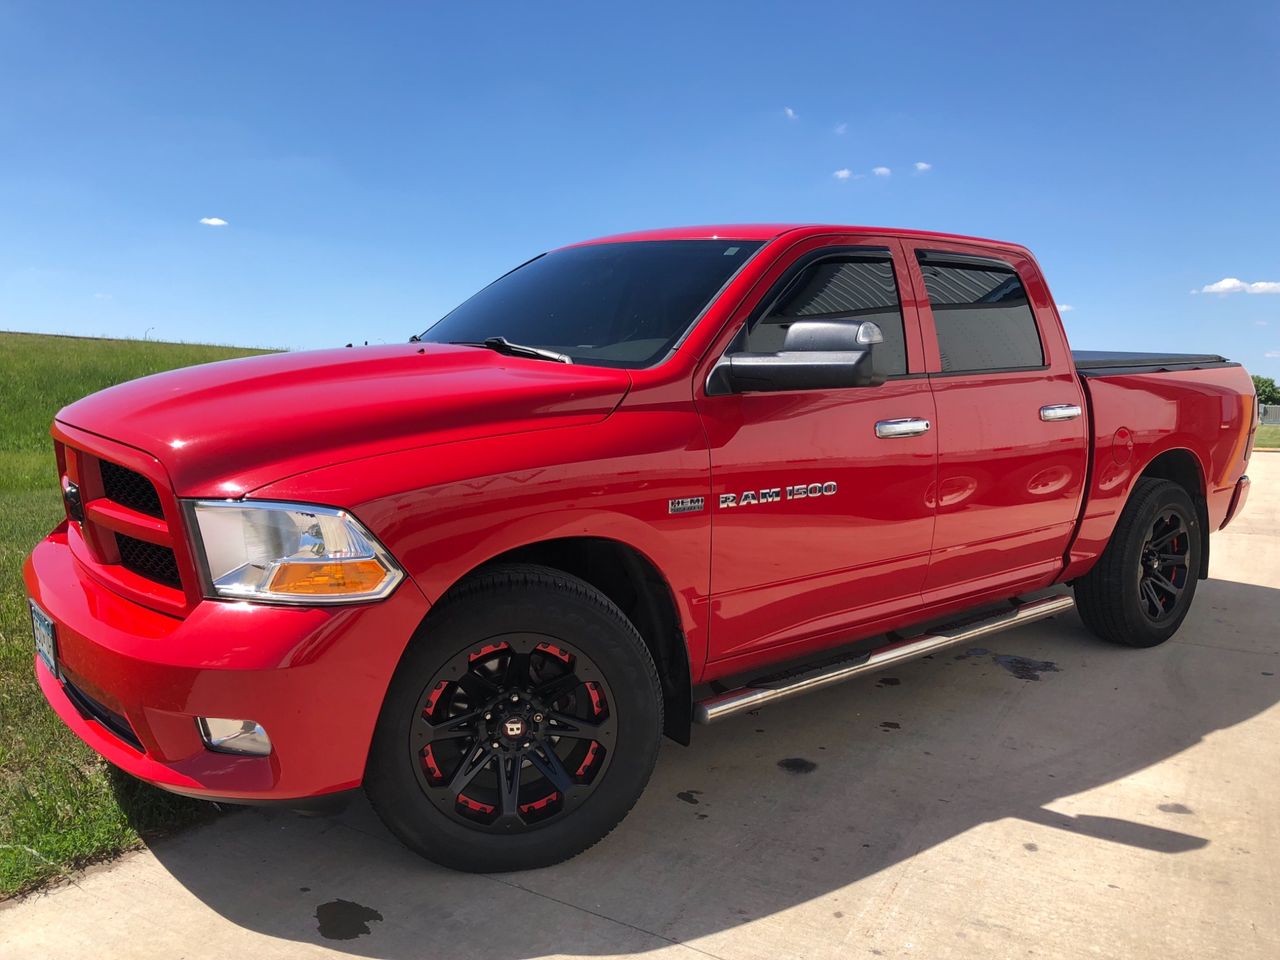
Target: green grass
[(1268, 436), (60, 805)]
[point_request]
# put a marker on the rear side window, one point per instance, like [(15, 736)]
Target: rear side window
[(855, 288), (981, 315)]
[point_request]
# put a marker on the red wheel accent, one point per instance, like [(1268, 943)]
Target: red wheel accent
[(551, 649), (588, 760), (433, 699), (597, 698), (487, 651), (475, 806), (542, 804), (429, 764)]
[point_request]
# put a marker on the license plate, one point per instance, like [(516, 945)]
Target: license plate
[(46, 639)]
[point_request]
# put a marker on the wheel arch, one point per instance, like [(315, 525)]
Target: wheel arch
[(635, 584)]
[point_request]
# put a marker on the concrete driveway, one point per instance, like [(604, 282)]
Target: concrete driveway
[(1051, 796)]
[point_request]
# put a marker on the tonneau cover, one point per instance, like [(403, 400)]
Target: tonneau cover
[(1103, 362)]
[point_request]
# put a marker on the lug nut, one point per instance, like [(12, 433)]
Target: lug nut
[(525, 745), (496, 745), (488, 716), (537, 718), (515, 698)]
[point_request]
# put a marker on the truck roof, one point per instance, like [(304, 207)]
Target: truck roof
[(771, 231)]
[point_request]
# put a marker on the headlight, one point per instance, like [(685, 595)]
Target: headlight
[(289, 552)]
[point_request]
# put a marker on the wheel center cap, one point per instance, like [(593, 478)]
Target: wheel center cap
[(514, 727)]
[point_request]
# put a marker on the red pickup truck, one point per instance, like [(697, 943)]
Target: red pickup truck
[(634, 484)]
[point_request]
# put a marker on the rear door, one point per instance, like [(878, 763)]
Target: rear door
[(1011, 429), (818, 524)]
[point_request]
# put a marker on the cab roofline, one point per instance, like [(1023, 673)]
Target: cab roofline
[(772, 231)]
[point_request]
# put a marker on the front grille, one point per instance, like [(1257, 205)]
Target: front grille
[(92, 709), (149, 560), (129, 489)]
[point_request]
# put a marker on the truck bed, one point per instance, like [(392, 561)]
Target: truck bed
[(1098, 363)]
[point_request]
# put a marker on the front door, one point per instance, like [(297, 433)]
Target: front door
[(818, 524)]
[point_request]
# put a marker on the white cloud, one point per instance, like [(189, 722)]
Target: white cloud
[(214, 222), (1234, 285), (790, 114), (102, 296), (881, 171), (844, 173), (1259, 323), (922, 167), (840, 129), (1272, 354), (1065, 308)]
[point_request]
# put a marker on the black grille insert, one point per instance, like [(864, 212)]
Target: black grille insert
[(92, 709), (149, 560), (130, 489)]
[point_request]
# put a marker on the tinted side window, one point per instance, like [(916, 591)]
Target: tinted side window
[(982, 316), (838, 288)]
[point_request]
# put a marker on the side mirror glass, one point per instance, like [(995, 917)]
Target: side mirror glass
[(815, 355)]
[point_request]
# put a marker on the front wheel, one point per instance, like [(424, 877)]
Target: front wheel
[(521, 725), (1140, 590)]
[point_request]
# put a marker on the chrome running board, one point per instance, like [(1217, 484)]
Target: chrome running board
[(770, 690)]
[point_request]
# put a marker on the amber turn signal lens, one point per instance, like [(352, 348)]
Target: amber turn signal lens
[(336, 576)]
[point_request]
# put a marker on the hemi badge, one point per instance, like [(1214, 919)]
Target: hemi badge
[(686, 504)]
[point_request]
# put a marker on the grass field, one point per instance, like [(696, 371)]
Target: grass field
[(60, 806), (1268, 436)]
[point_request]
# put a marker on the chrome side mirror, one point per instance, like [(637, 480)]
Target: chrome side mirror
[(815, 355)]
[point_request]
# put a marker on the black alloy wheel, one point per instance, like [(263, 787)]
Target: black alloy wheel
[(1163, 570), (513, 732)]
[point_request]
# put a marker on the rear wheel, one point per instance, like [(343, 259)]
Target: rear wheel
[(520, 727), (1141, 588)]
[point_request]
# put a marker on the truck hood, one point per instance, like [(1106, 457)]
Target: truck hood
[(224, 429)]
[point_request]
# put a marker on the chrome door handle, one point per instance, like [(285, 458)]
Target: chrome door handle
[(1060, 411), (907, 427)]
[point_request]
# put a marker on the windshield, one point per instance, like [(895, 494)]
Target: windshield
[(612, 304)]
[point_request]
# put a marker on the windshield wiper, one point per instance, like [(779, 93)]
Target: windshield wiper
[(504, 346)]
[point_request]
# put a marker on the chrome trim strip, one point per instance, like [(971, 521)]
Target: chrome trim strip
[(749, 698)]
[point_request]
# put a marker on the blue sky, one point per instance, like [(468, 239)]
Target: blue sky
[(376, 163)]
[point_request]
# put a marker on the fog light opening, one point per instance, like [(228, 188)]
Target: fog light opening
[(245, 737)]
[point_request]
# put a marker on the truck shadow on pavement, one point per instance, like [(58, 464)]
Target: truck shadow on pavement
[(791, 806)]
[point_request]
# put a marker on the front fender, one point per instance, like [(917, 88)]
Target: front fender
[(445, 510)]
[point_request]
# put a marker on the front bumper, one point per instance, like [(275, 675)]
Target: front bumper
[(132, 681)]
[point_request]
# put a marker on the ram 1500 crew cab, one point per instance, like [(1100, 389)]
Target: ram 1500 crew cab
[(633, 485)]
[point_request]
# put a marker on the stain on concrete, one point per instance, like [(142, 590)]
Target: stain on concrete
[(973, 652), (1033, 847), (699, 816), (1268, 673), (689, 796), (797, 765), (1025, 669), (890, 725), (345, 920), (1174, 808), (304, 889), (888, 682)]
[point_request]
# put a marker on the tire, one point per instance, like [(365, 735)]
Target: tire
[(475, 780), (1140, 590)]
